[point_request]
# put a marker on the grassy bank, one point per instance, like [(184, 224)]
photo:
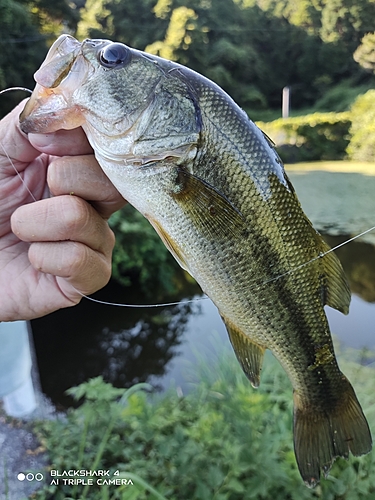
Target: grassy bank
[(366, 168), (223, 441)]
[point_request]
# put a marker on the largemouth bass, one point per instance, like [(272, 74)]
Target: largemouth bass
[(189, 159)]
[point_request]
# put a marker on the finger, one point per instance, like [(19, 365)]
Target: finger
[(82, 267), (14, 143), (83, 176), (63, 142), (62, 218)]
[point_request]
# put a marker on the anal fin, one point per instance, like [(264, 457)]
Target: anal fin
[(249, 354)]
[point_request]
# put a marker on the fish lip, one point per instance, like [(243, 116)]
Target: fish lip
[(63, 71), (65, 68), (40, 111), (63, 46)]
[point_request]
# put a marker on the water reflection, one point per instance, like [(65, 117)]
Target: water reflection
[(124, 345), (358, 260), (138, 351), (358, 328)]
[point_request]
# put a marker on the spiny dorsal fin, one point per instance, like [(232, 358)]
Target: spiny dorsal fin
[(249, 354), (335, 287)]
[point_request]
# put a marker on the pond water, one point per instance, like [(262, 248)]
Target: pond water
[(162, 345)]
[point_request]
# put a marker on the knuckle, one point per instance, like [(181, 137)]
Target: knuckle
[(110, 240), (76, 258), (59, 178), (105, 274), (76, 214)]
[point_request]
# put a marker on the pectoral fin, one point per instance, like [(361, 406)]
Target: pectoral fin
[(249, 354), (209, 209)]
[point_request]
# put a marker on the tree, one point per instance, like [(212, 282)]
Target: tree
[(132, 22), (252, 49), (27, 29), (347, 21), (304, 13), (22, 49), (177, 35), (365, 52)]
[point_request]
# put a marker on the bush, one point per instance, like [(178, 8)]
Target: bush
[(319, 136), (362, 142), (340, 97), (223, 441)]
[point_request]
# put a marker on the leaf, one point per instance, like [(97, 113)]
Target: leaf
[(235, 485)]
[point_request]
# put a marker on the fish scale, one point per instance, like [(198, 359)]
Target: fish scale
[(210, 182)]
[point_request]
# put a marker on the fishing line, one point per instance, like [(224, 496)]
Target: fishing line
[(2, 146), (271, 280), (19, 175), (15, 88), (83, 295), (166, 304), (139, 306), (320, 256)]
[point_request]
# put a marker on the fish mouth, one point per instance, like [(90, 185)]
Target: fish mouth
[(50, 106)]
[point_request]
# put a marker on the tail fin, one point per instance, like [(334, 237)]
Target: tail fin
[(320, 436)]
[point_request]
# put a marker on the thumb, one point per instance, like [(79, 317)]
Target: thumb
[(14, 144)]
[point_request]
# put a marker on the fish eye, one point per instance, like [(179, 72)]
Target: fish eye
[(114, 55)]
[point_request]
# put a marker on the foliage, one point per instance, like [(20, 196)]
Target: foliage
[(362, 142), (141, 257), (319, 136), (53, 16), (340, 97), (132, 22), (177, 34), (303, 13), (252, 48), (365, 52), (25, 29), (253, 55), (346, 21), (223, 441), (22, 49)]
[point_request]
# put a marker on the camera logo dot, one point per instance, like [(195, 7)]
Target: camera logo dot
[(30, 477)]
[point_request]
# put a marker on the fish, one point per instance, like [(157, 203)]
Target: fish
[(183, 153)]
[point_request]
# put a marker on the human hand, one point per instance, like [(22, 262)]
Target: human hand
[(56, 248)]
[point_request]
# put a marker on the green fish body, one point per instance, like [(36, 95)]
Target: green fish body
[(188, 158)]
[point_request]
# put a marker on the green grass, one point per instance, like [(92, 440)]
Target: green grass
[(223, 441), (367, 168)]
